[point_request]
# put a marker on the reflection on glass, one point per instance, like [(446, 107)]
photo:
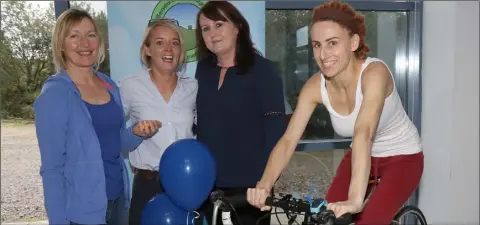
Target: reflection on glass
[(309, 173), (288, 46), (302, 36)]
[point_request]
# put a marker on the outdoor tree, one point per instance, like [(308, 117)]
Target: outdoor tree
[(26, 53)]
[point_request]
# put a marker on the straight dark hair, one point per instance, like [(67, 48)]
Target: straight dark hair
[(223, 11)]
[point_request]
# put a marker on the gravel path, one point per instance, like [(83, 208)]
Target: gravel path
[(22, 192)]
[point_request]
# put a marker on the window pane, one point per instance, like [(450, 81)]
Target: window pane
[(288, 46), (98, 10), (308, 173)]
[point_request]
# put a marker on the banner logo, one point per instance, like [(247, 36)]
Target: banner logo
[(185, 12)]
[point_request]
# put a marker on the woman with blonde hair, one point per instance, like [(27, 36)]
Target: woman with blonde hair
[(81, 129), (159, 92)]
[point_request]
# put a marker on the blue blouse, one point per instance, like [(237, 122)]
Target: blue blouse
[(242, 121)]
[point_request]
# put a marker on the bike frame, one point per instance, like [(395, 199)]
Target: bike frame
[(226, 207)]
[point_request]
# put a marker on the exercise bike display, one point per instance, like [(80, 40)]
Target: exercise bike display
[(313, 210)]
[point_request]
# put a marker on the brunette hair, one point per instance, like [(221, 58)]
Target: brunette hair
[(223, 11), (347, 17)]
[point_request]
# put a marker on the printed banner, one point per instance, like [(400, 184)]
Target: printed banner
[(127, 21)]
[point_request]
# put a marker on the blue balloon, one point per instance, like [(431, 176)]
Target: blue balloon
[(162, 211), (187, 173)]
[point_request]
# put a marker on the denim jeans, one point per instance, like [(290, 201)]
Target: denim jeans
[(116, 212)]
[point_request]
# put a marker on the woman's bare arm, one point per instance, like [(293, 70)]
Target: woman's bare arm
[(375, 82), (308, 99)]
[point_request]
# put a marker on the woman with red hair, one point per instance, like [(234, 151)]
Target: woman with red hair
[(360, 94)]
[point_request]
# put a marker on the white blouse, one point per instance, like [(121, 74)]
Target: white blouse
[(142, 101)]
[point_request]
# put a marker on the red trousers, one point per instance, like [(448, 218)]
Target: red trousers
[(400, 175)]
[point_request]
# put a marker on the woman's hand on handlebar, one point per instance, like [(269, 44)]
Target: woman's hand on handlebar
[(343, 207), (257, 197)]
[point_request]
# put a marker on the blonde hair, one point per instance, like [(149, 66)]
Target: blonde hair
[(146, 60), (63, 26)]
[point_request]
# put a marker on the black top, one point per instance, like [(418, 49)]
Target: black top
[(240, 122)]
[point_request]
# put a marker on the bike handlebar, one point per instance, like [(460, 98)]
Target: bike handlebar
[(289, 204), (235, 201), (315, 211)]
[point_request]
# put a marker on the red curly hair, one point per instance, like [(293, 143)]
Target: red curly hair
[(347, 17)]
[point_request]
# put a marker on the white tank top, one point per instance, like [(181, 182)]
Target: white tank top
[(396, 134)]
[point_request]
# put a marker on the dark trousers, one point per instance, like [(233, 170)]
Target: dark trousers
[(146, 184), (247, 213)]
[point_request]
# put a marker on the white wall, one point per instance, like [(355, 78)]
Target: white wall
[(449, 190)]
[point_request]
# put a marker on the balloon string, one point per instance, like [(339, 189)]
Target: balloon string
[(195, 217)]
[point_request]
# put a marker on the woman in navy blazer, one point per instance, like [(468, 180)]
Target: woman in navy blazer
[(240, 103), (81, 130)]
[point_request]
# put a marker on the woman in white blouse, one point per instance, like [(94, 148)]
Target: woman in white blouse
[(158, 93)]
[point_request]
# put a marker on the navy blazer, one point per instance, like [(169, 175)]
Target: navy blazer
[(242, 121)]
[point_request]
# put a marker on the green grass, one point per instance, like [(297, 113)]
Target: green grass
[(16, 122), (189, 38), (31, 220)]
